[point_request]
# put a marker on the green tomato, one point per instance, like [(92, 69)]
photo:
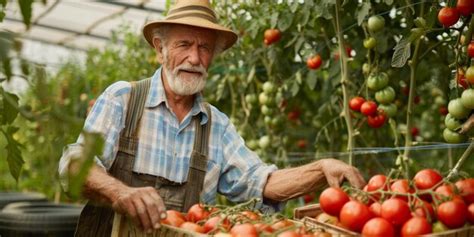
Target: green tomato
[(252, 144), (370, 43), (376, 23), (439, 227), (452, 123), (265, 110), (377, 81), (268, 87), (268, 120), (420, 22), (452, 137), (457, 109), (389, 109), (251, 99), (264, 99), (264, 142), (385, 96), (467, 98), (439, 101), (366, 68)]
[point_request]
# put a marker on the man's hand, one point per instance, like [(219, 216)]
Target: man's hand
[(143, 205), (289, 183), (336, 171)]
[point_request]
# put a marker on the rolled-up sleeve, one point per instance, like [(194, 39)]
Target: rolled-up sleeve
[(244, 174), (104, 118)]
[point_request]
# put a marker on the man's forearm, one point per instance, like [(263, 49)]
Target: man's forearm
[(289, 183), (100, 187)]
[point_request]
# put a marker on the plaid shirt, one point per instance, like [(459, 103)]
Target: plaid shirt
[(166, 144)]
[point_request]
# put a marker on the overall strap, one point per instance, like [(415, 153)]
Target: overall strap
[(198, 163), (136, 105)]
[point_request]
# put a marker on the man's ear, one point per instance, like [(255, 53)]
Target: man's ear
[(158, 44)]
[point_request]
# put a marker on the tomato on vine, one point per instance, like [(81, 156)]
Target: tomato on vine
[(271, 36), (470, 50), (370, 43), (375, 23), (465, 7), (448, 16), (396, 211), (376, 121), (356, 102), (378, 227), (314, 62), (470, 75), (416, 226), (368, 108), (332, 200), (452, 213), (354, 215)]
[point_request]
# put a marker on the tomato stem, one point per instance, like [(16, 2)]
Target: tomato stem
[(461, 160)]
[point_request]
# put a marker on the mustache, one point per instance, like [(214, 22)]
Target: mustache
[(191, 68)]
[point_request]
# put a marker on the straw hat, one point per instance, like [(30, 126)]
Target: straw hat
[(192, 13)]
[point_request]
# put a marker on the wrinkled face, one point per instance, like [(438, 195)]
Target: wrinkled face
[(186, 55)]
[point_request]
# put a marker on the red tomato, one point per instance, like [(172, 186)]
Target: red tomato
[(314, 62), (376, 209), (377, 227), (416, 226), (415, 131), (396, 211), (376, 121), (424, 209), (294, 114), (271, 36), (173, 218), (453, 214), (443, 110), (470, 50), (465, 7), (262, 227), (466, 189), (378, 181), (446, 192), (368, 108), (448, 16), (289, 233), (308, 198), (470, 213), (281, 224), (192, 227), (302, 143), (356, 102), (354, 215), (462, 81), (427, 178), (244, 230), (332, 200), (215, 223), (196, 213), (401, 186)]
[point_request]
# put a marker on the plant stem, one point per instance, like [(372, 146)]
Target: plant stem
[(461, 160), (408, 137), (343, 58)]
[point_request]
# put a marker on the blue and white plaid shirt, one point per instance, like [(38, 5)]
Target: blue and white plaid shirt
[(166, 144)]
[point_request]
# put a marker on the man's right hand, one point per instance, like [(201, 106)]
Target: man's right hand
[(144, 205)]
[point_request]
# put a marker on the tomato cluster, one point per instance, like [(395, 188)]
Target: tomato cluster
[(271, 36), (388, 207), (235, 222), (375, 117)]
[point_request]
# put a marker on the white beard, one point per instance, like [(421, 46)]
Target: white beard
[(182, 86)]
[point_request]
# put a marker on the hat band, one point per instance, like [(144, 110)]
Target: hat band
[(197, 15), (192, 8)]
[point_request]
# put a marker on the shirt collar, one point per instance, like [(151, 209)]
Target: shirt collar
[(157, 96)]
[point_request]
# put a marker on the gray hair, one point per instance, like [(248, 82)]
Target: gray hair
[(162, 32)]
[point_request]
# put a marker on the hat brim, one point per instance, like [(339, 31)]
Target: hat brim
[(228, 35)]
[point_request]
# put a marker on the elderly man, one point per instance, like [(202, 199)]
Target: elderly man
[(168, 149)]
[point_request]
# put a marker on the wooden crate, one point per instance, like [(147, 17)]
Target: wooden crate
[(308, 213), (124, 228)]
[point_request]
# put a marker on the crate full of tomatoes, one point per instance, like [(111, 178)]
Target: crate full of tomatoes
[(236, 221), (426, 205)]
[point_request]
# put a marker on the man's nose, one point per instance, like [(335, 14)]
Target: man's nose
[(193, 55)]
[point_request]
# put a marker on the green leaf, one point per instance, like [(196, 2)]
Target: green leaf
[(26, 10), (388, 2), (312, 80), (2, 15), (274, 20), (285, 22), (324, 8), (93, 146), (10, 105), (251, 75), (294, 6), (305, 18), (6, 42), (299, 43), (363, 12), (3, 3), (402, 53), (7, 67), (15, 162)]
